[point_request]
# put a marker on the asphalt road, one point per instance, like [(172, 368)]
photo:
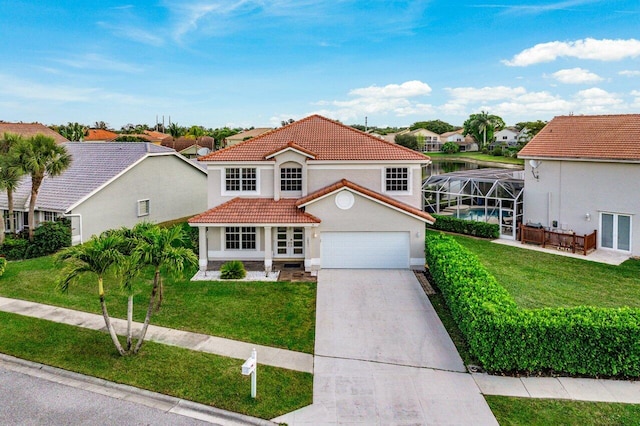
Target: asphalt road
[(27, 400)]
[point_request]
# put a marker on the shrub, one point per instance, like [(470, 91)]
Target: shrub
[(583, 340), (14, 248), (467, 227), (3, 265), (450, 148), (233, 270), (497, 151)]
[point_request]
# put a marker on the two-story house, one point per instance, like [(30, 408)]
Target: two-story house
[(582, 174), (318, 191)]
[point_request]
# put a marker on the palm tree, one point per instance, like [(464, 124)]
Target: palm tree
[(484, 125), (10, 175), (161, 248), (40, 156), (175, 130), (97, 256)]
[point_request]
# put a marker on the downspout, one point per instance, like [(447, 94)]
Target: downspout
[(79, 216)]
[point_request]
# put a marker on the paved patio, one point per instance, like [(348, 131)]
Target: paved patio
[(609, 257)]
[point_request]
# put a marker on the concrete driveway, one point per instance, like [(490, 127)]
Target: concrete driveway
[(383, 357)]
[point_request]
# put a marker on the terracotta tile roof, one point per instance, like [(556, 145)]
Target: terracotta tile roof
[(328, 139), (184, 142), (384, 199), (31, 129), (255, 210), (157, 136), (598, 137), (100, 135), (292, 145)]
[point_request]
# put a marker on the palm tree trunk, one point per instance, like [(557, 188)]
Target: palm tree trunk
[(2, 229), (12, 228), (107, 319), (35, 187), (129, 320), (147, 318)]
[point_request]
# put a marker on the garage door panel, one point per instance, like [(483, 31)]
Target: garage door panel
[(365, 250)]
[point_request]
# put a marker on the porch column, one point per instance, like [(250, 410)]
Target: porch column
[(308, 239), (268, 249), (202, 248)]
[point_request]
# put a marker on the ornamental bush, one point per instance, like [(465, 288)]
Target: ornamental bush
[(467, 227), (3, 265), (233, 270), (583, 340), (48, 238), (450, 148)]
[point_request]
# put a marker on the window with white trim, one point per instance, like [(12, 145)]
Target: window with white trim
[(49, 216), (240, 237), (241, 179), (291, 179), (143, 208), (397, 179)]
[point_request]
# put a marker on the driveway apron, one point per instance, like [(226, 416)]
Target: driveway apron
[(383, 357)]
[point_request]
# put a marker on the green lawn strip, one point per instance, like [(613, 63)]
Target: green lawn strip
[(278, 314), (544, 412), (441, 308), (536, 280), (477, 156), (200, 377)]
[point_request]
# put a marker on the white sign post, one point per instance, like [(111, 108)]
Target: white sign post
[(250, 367)]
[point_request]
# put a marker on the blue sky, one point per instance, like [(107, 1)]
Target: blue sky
[(257, 62)]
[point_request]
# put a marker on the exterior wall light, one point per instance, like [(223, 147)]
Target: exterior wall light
[(588, 217)]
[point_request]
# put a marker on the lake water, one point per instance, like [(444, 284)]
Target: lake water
[(439, 167)]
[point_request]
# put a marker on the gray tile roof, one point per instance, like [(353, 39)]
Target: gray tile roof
[(93, 164)]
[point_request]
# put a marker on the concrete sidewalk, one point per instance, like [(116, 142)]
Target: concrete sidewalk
[(275, 357), (577, 389)]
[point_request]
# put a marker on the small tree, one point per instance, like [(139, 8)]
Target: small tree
[(407, 141), (482, 127), (10, 176), (40, 156), (97, 256), (450, 148)]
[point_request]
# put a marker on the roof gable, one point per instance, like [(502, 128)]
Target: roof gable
[(372, 195), (28, 130), (255, 211), (327, 139), (593, 137)]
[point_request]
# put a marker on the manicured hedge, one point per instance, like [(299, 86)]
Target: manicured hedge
[(48, 238), (467, 227), (582, 340)]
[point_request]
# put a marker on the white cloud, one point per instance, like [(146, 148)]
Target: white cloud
[(597, 101), (133, 31), (464, 95), (401, 100), (576, 76), (589, 48), (537, 8), (99, 62), (630, 73)]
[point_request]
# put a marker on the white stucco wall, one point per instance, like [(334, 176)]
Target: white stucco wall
[(365, 216), (567, 190), (174, 188)]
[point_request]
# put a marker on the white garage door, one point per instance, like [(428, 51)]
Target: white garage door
[(360, 250)]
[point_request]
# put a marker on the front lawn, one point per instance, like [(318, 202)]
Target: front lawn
[(543, 412), (274, 314), (535, 279), (195, 376), (477, 156)]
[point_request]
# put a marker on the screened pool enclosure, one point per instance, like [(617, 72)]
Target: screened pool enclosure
[(488, 195)]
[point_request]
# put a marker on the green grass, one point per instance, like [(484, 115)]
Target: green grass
[(205, 378), (478, 156), (275, 314), (535, 279), (440, 306), (528, 411)]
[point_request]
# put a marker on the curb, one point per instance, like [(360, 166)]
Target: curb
[(132, 394)]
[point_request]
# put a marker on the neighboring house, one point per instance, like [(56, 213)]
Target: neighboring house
[(582, 174), (188, 146), (110, 185), (155, 137), (505, 137), (100, 135), (246, 135), (28, 130), (466, 143), (315, 191), (430, 140)]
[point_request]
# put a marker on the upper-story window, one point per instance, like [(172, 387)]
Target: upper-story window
[(397, 179), (241, 179), (291, 179)]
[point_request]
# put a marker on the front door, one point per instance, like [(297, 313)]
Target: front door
[(615, 231), (289, 242)]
